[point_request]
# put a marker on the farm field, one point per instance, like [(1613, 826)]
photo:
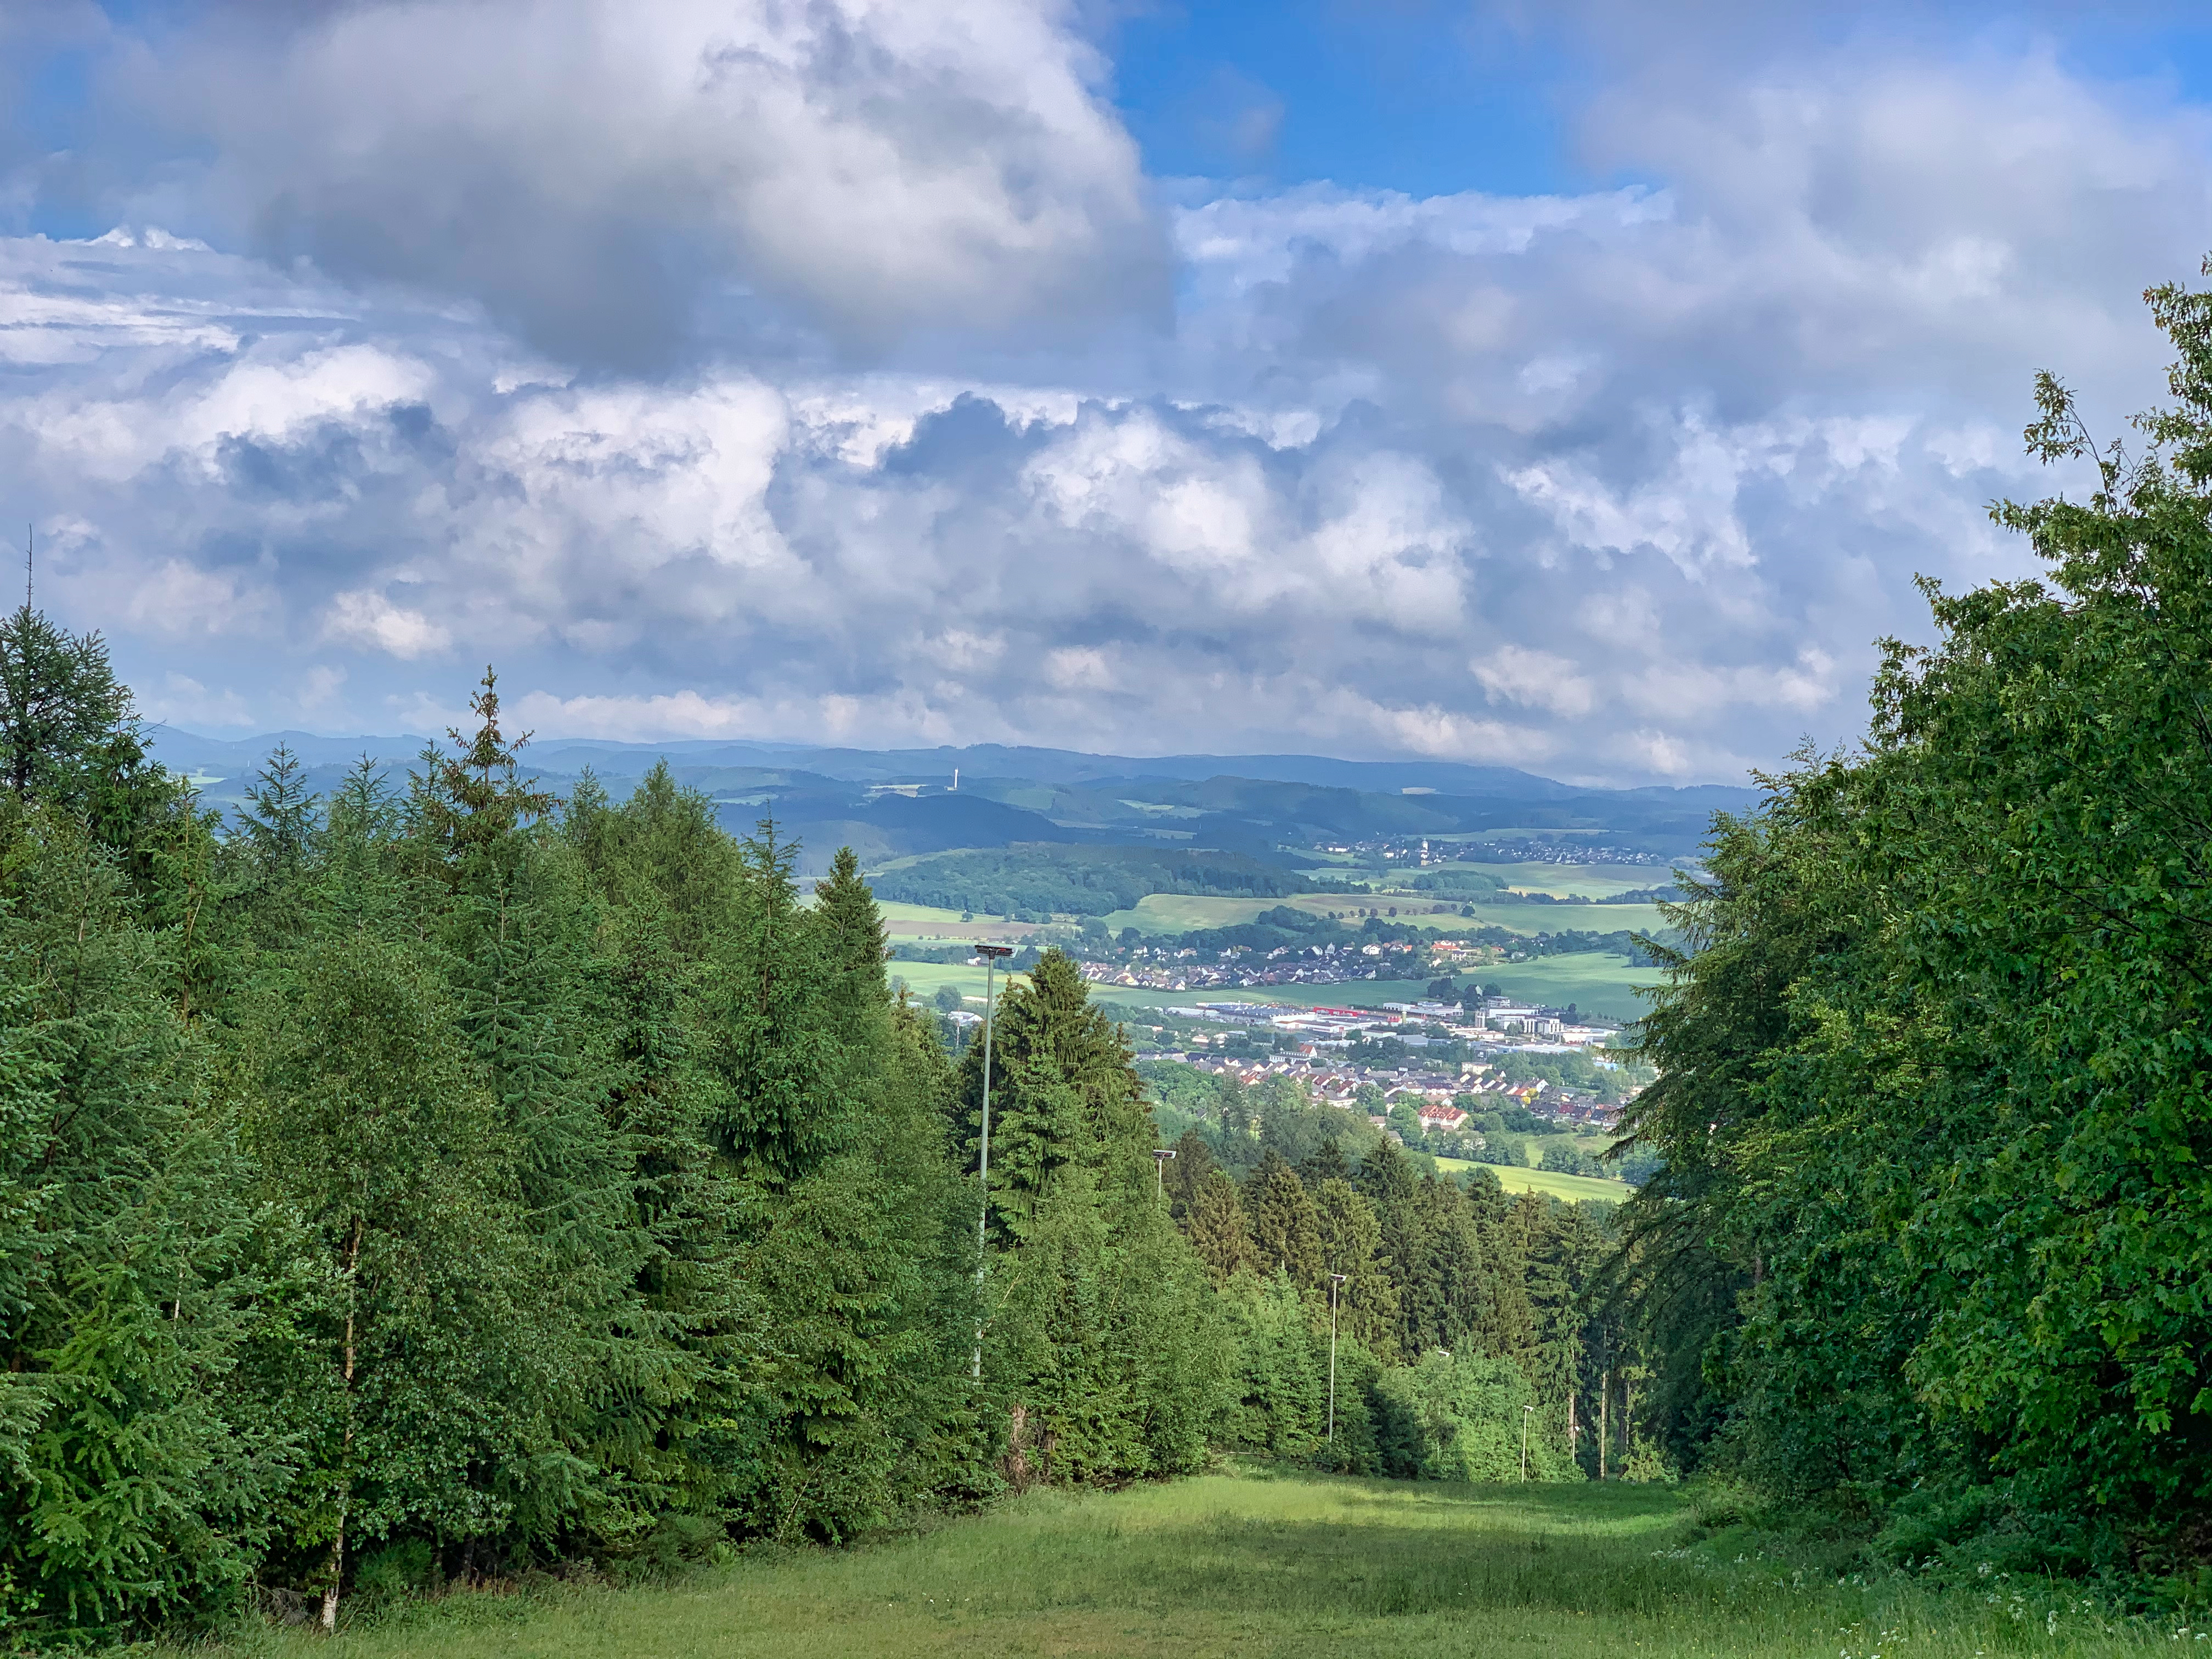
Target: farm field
[(1558, 918), (1596, 981), (1574, 1188), (925, 979), (1577, 880), (924, 922), (1176, 913), (1260, 1566), (1369, 992)]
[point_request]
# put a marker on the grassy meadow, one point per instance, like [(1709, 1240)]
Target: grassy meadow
[(1574, 1188), (1265, 1567)]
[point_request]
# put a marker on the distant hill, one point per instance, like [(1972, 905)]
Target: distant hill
[(889, 804)]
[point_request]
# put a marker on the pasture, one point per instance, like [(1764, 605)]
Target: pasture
[(1574, 1188), (1263, 1565)]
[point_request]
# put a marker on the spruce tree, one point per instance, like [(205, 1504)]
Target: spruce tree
[(1064, 1094), (131, 1490), (1193, 1162), (60, 707), (1285, 1228), (1218, 1230), (1351, 1245)]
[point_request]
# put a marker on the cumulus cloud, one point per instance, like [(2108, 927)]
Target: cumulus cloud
[(619, 181), (1615, 486)]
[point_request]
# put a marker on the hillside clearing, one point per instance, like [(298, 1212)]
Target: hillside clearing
[(1286, 1567), (1516, 1179)]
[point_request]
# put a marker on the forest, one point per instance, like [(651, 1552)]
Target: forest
[(418, 1187), (1932, 1244), (1094, 881)]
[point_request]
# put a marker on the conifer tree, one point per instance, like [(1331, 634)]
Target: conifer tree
[(779, 1063), (1351, 1245), (1063, 1091), (1285, 1227), (1218, 1229), (60, 707), (129, 1489), (1193, 1162)]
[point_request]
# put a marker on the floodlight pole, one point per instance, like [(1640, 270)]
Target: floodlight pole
[(1335, 1280), (991, 955), (1160, 1158), (1525, 1411)]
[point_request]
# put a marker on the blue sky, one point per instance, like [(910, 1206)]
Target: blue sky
[(1577, 387)]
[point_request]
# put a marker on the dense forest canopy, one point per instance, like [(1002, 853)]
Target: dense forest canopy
[(412, 1186), (1095, 881)]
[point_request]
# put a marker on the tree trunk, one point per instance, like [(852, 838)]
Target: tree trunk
[(1604, 1399), (345, 1446)]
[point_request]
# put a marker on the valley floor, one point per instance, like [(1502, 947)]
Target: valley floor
[(1255, 1564)]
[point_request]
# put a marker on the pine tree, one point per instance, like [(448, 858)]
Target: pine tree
[(780, 1063), (1351, 1245), (130, 1492), (1192, 1163), (1218, 1230), (1285, 1228), (279, 818), (1064, 1094), (60, 706)]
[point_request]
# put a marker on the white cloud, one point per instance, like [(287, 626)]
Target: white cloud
[(612, 177), (1615, 486), (362, 618)]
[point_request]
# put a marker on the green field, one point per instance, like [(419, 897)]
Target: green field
[(927, 921), (1559, 918), (923, 979), (1287, 1567), (1595, 981), (1592, 881), (1572, 1188), (1178, 913)]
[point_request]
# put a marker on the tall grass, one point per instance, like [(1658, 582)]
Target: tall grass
[(1255, 1565)]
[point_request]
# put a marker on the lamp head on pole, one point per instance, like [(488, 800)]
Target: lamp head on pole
[(990, 953)]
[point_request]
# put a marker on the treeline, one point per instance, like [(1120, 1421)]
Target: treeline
[(1933, 1240), (1455, 1308), (424, 1185), (1042, 879), (416, 1185)]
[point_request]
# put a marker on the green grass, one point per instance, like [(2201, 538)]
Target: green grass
[(1364, 992), (1596, 981), (1559, 918), (923, 979), (1294, 1567), (1592, 881), (1575, 1188), (905, 918), (1178, 913)]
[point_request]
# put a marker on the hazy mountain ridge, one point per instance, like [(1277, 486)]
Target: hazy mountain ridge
[(891, 803)]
